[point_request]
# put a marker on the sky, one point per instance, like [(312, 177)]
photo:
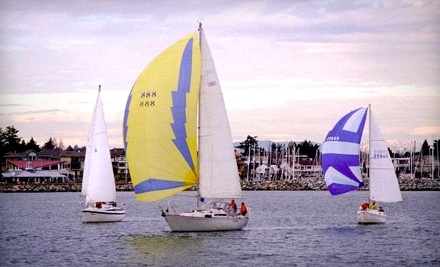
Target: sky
[(288, 69)]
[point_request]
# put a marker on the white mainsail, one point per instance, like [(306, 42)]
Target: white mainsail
[(98, 179), (218, 175), (384, 186)]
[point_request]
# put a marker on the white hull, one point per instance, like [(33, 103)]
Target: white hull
[(113, 214), (371, 216), (213, 216), (184, 223)]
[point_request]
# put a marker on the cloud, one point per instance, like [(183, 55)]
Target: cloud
[(287, 69), (47, 111), (426, 131)]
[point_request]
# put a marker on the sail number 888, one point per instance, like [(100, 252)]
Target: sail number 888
[(146, 99)]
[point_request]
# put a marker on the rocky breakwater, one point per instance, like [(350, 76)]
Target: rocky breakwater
[(37, 187), (419, 184), (303, 183), (52, 187), (318, 183)]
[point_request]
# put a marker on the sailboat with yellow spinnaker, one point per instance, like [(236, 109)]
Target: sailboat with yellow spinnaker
[(177, 135)]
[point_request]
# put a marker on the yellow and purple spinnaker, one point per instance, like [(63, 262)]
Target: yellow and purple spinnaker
[(160, 122)]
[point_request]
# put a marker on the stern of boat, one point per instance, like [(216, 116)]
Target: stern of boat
[(371, 217)]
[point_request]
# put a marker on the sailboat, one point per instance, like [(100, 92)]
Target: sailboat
[(98, 184), (341, 164), (177, 137)]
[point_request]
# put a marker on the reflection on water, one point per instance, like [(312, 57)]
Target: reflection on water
[(169, 249)]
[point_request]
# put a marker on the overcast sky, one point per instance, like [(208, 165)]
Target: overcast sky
[(289, 69)]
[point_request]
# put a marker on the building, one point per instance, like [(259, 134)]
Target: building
[(120, 166), (33, 167), (73, 164)]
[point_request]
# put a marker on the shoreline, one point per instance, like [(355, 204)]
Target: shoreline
[(305, 183)]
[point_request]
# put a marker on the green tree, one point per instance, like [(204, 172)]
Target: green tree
[(22, 146), (425, 148), (249, 143), (307, 148), (50, 144), (32, 145), (9, 140), (2, 142)]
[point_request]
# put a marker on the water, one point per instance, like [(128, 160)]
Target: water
[(295, 228)]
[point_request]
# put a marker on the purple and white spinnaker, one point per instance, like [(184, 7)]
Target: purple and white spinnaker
[(341, 153)]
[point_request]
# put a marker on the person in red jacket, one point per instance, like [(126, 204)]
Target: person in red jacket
[(234, 206), (243, 209), (365, 206)]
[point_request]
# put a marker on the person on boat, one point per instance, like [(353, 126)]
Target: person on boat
[(243, 209), (381, 209), (364, 206), (373, 205), (234, 205)]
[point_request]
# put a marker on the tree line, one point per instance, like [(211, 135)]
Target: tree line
[(11, 142)]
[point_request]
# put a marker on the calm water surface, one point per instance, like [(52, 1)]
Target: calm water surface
[(294, 228)]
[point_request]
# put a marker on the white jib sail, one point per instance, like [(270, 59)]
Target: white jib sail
[(384, 186)]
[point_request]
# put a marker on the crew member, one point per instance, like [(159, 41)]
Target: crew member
[(243, 209), (234, 205)]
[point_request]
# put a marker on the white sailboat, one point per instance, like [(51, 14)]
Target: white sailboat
[(171, 147), (384, 186), (341, 164), (98, 185)]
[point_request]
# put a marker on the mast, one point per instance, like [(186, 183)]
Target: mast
[(248, 162), (369, 150), (293, 160), (198, 198)]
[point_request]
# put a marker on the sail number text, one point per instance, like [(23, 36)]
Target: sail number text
[(332, 138), (379, 154), (148, 99)]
